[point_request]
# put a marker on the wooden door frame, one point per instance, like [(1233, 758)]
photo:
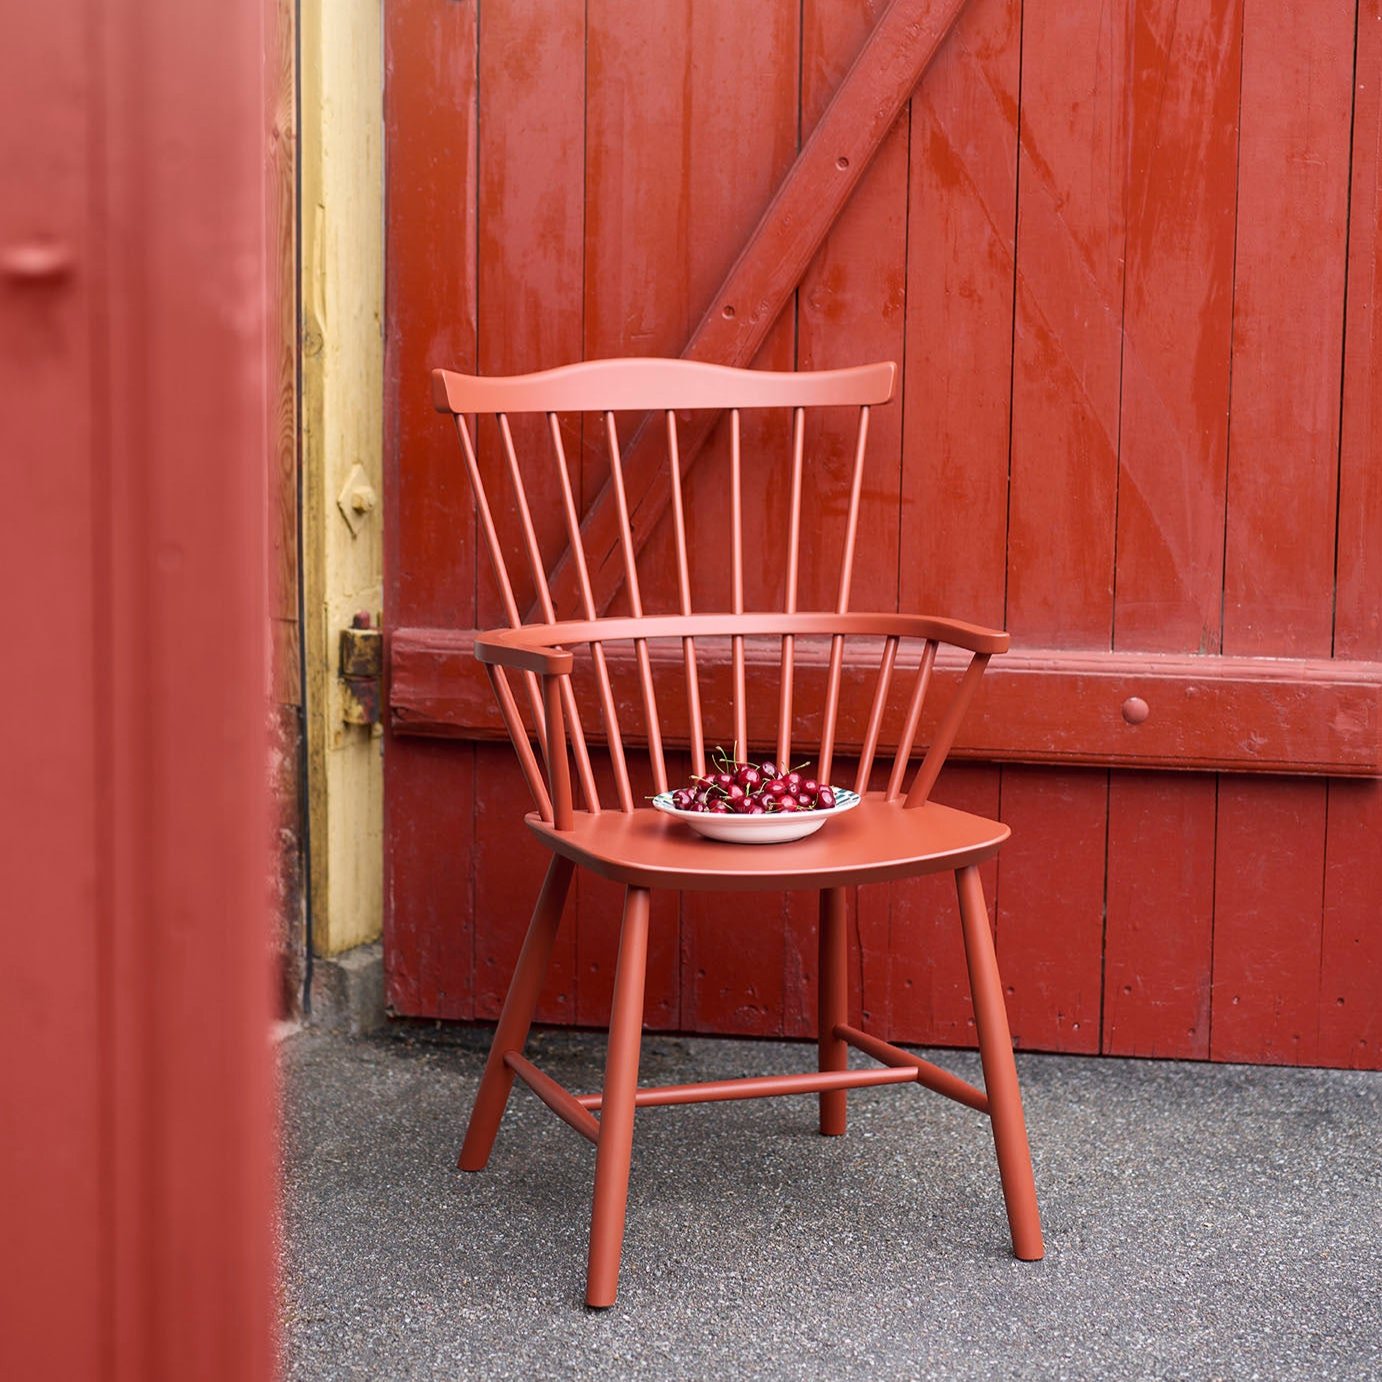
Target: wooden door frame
[(341, 216), (138, 1143)]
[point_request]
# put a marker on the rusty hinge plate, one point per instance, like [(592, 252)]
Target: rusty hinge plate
[(362, 672)]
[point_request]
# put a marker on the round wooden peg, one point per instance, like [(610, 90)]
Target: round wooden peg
[(1135, 710)]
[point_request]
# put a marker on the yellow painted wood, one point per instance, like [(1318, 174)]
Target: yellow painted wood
[(341, 94)]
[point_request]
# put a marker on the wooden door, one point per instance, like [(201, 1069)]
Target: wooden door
[(1127, 258), (136, 1104)]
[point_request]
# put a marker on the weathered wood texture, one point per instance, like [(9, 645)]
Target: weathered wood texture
[(1127, 259), (285, 647), (342, 359)]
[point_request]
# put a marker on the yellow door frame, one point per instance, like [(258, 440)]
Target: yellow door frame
[(341, 95)]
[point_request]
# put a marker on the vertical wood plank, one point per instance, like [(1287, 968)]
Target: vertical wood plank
[(168, 262), (429, 914), (962, 210), (636, 249), (53, 1278), (691, 120), (1067, 347), (1269, 880), (529, 255), (1066, 336), (1173, 440), (1287, 326), (1350, 962), (281, 287), (429, 529), (430, 166), (1177, 323), (1358, 609), (851, 308), (1159, 932), (1283, 439), (530, 294), (958, 367), (1351, 944), (1050, 907)]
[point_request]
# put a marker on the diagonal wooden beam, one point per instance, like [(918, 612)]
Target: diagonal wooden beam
[(768, 270)]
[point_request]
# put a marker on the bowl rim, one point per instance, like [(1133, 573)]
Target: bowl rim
[(847, 800)]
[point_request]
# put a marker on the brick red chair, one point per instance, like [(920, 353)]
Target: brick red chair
[(553, 678)]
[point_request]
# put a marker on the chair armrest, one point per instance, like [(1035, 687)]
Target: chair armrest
[(523, 650), (538, 647)]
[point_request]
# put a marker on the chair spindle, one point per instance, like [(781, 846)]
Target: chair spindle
[(913, 720), (597, 650), (645, 670), (513, 722), (736, 502), (837, 643), (784, 712), (688, 645), (875, 724), (946, 731), (538, 570), (496, 553)]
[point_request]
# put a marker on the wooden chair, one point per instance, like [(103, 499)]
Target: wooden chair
[(565, 665)]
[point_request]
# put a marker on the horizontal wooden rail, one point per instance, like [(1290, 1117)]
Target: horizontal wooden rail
[(758, 1087), (1103, 709), (561, 1101), (932, 1076)]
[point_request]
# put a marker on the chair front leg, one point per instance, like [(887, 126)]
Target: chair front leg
[(1000, 1070), (832, 1006), (517, 1016), (615, 1149)]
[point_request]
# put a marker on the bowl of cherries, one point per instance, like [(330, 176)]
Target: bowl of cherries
[(754, 803)]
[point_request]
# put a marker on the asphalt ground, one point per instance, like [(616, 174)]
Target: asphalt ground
[(1201, 1221)]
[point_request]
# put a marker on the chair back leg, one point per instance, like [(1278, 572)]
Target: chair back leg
[(615, 1148), (1000, 1070), (517, 1016), (832, 1005)]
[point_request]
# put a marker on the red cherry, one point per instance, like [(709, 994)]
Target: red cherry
[(718, 808), (768, 768), (777, 787), (794, 780), (756, 808), (810, 787), (748, 777), (788, 804), (825, 799)]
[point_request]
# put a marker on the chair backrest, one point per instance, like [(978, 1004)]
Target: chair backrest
[(678, 403)]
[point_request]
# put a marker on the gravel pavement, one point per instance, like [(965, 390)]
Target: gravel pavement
[(1201, 1222)]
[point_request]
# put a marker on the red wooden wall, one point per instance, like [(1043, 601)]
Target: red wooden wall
[(136, 1083), (1127, 256)]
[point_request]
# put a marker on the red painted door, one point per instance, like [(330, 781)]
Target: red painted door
[(136, 1146), (1128, 262)]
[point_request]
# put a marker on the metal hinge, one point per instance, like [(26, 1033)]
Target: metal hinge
[(362, 671)]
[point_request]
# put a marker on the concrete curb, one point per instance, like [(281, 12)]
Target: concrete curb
[(348, 991)]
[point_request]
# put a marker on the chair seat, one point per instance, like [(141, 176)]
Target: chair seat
[(876, 841)]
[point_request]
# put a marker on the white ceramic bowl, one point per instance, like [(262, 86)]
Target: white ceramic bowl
[(758, 830)]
